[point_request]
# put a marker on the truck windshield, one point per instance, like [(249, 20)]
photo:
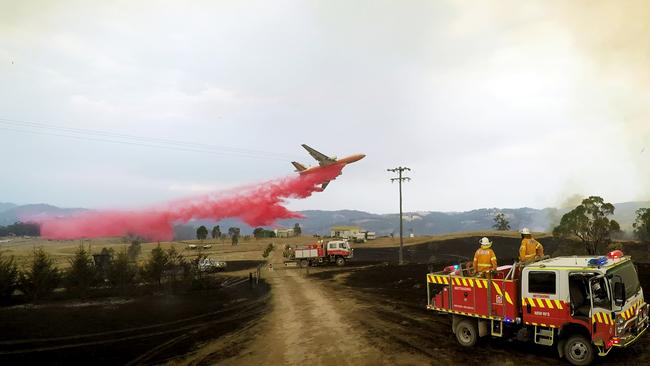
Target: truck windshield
[(627, 274)]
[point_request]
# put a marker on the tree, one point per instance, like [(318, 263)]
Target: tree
[(81, 274), (156, 265), (8, 277), (589, 223), (216, 232), (20, 229), (297, 230), (176, 263), (234, 232), (121, 271), (41, 277), (501, 222), (134, 250), (258, 232), (201, 232), (642, 224)]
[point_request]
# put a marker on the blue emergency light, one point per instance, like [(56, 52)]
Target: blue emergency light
[(597, 262)]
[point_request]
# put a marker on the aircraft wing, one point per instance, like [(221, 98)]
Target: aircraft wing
[(320, 157)]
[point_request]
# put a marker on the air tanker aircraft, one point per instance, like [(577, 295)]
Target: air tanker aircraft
[(324, 160)]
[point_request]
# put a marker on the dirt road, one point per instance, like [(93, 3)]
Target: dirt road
[(308, 324)]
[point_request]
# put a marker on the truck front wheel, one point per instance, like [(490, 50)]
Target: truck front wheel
[(340, 261), (467, 333), (304, 263), (579, 351)]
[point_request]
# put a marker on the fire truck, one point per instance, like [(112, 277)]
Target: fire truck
[(582, 305), (335, 251)]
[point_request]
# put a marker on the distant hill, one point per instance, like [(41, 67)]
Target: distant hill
[(319, 222), (6, 205), (14, 212)]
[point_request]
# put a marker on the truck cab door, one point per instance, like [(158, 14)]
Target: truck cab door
[(601, 308), (541, 301)]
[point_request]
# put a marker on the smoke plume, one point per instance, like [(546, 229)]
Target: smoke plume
[(258, 205)]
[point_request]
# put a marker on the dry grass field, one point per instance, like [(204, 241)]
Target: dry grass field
[(63, 250)]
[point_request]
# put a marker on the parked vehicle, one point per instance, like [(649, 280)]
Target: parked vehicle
[(335, 251), (211, 265), (582, 305)]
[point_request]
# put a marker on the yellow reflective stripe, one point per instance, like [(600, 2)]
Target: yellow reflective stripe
[(444, 279), (540, 303), (471, 282), (429, 278), (478, 284), (600, 320), (549, 304), (531, 301), (558, 304), (508, 299), (485, 283), (496, 287), (457, 281), (464, 282)]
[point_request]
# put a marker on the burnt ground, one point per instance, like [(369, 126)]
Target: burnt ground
[(111, 331)]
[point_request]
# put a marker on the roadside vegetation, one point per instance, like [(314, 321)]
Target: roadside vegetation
[(109, 273), (267, 251)]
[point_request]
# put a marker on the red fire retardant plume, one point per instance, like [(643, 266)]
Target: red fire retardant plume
[(259, 205)]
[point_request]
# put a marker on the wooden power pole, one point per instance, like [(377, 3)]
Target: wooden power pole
[(399, 170)]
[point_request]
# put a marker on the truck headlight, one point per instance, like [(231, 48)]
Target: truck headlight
[(620, 325)]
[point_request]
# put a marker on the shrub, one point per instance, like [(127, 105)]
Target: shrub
[(269, 248), (156, 265), (134, 250), (121, 272), (8, 277), (41, 277), (82, 274)]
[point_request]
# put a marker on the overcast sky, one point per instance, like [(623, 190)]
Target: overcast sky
[(491, 104)]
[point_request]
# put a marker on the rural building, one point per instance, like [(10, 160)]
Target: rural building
[(284, 233), (344, 232)]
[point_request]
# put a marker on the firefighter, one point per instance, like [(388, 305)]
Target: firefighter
[(484, 259), (530, 248)]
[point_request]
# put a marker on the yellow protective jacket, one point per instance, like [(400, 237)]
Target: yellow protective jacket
[(484, 260), (529, 249)]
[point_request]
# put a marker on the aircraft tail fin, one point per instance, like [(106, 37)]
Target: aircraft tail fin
[(299, 167)]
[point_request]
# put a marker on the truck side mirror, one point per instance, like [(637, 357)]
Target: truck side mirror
[(619, 293)]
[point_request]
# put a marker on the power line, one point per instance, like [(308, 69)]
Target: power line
[(400, 179), (120, 138)]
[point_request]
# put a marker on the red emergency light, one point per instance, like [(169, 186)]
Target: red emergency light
[(615, 254)]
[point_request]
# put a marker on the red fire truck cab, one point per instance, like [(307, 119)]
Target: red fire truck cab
[(583, 305)]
